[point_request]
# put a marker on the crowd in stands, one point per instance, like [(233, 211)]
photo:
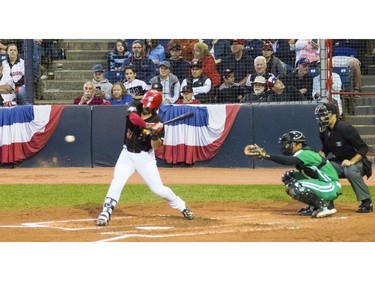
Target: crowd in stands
[(205, 70)]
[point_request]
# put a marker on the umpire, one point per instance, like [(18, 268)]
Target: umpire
[(348, 150)]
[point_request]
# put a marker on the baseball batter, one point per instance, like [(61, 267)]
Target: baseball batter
[(316, 182), (144, 133)]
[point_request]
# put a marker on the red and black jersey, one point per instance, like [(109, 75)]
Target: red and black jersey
[(139, 138)]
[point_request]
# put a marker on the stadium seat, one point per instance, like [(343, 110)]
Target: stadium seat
[(114, 76), (344, 73)]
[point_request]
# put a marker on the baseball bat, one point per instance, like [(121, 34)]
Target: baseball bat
[(179, 118)]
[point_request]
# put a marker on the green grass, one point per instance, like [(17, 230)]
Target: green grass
[(22, 197)]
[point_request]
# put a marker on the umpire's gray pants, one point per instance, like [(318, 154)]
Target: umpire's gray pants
[(354, 174)]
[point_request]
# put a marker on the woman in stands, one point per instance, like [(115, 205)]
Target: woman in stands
[(202, 54), (118, 55), (119, 95)]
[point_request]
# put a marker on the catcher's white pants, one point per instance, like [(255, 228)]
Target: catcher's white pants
[(145, 164)]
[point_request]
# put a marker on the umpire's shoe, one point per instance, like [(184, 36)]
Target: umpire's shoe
[(103, 219), (366, 207), (188, 214)]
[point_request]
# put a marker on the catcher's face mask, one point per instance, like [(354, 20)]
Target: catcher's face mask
[(287, 147), (287, 140), (322, 117)]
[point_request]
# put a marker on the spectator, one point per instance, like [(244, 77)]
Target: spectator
[(37, 59), (253, 47), (260, 67), (102, 86), (336, 87), (6, 83), (4, 43), (259, 94), (3, 46), (50, 52), (186, 45), (145, 67), (345, 54), (169, 82), (218, 48), (229, 92), (201, 53), (119, 95), (281, 93), (201, 84), (179, 66), (348, 152), (89, 97), (274, 64), (301, 79), (117, 57), (187, 96), (284, 49), (154, 51), (308, 48), (136, 87), (238, 61), (14, 70)]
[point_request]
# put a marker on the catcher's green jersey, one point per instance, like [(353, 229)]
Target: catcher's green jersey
[(327, 185), (312, 160)]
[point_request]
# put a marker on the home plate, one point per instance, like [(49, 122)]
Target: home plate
[(153, 227)]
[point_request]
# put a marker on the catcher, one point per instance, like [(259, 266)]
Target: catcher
[(315, 182)]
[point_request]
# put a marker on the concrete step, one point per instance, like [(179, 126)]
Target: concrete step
[(365, 129), (73, 75), (49, 102), (368, 79), (365, 100), (371, 150), (54, 95), (371, 69), (89, 44), (76, 55), (361, 119), (78, 64), (368, 88), (364, 110), (63, 84)]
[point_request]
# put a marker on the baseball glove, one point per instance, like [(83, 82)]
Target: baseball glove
[(253, 150)]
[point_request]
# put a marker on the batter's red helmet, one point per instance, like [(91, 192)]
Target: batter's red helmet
[(152, 99)]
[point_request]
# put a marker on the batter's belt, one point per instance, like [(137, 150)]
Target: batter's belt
[(135, 150)]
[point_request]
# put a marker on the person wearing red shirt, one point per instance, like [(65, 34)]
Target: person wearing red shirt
[(201, 53)]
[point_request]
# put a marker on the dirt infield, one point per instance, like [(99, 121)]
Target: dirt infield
[(230, 222)]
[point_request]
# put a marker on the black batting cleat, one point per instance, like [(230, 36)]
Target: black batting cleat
[(188, 214)]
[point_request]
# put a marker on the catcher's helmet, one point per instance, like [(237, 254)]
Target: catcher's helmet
[(287, 139), (322, 114), (152, 99)]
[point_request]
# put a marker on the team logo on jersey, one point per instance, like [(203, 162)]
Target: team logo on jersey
[(338, 144)]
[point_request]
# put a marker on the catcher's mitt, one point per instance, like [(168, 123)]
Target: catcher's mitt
[(253, 150)]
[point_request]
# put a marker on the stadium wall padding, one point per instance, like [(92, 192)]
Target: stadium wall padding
[(76, 121), (99, 132)]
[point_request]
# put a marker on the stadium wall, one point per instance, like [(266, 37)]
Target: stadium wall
[(99, 134)]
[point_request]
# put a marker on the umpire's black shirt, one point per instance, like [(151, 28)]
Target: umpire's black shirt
[(343, 141)]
